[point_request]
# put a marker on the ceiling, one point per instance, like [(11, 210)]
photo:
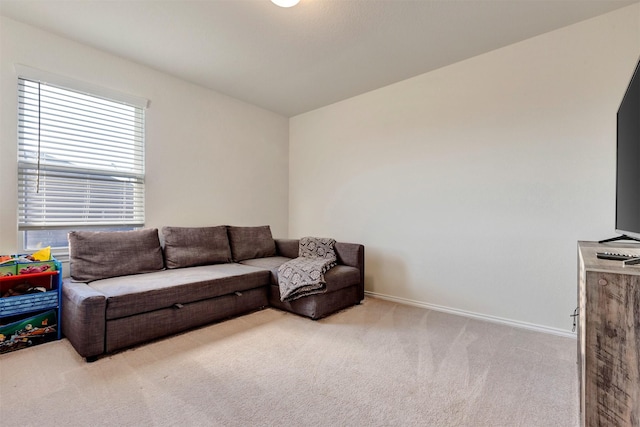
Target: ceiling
[(297, 59)]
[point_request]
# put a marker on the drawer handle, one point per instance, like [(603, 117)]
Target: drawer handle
[(602, 282), (177, 305), (575, 314)]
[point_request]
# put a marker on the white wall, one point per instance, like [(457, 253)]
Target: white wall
[(470, 185), (210, 159)]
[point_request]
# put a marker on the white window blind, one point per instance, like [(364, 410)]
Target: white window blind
[(80, 159)]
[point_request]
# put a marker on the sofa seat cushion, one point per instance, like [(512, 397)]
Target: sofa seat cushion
[(130, 295), (269, 263), (338, 277)]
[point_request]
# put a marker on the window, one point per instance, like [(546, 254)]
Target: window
[(80, 163)]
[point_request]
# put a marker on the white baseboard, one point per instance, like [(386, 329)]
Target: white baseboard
[(494, 319)]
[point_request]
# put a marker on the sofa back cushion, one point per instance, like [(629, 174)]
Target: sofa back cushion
[(251, 242), (189, 246), (95, 255)]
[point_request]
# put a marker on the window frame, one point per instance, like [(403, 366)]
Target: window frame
[(65, 83)]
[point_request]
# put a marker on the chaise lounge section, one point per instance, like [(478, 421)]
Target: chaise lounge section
[(127, 288)]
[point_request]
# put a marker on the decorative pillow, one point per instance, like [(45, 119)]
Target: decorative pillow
[(95, 255), (317, 247), (251, 242), (186, 247)]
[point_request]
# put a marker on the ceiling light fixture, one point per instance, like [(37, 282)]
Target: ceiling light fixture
[(285, 3)]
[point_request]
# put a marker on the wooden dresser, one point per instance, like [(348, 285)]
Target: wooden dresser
[(608, 336)]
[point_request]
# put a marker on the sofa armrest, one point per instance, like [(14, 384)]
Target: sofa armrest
[(287, 247), (352, 254), (83, 318)]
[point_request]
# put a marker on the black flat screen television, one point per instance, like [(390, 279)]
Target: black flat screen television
[(628, 161)]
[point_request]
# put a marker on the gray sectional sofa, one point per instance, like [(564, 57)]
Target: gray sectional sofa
[(127, 287)]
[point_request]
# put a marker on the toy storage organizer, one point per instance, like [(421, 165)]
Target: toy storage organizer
[(31, 318)]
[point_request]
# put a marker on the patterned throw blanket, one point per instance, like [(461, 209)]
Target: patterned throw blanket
[(304, 275)]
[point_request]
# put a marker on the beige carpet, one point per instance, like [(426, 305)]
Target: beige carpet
[(377, 364)]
